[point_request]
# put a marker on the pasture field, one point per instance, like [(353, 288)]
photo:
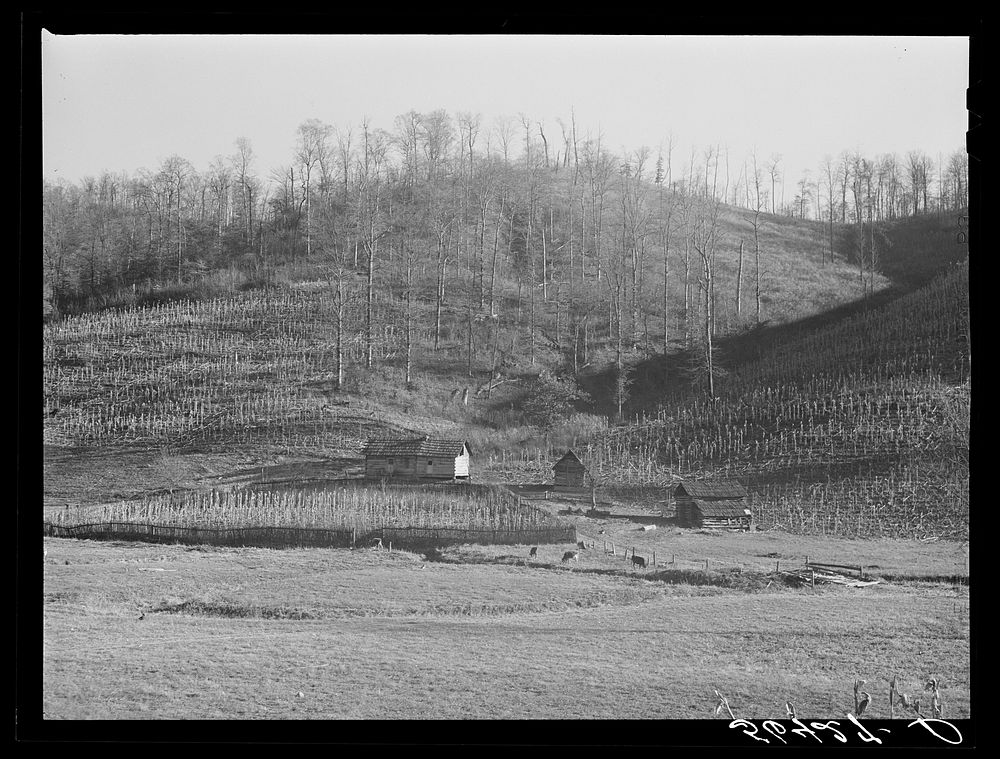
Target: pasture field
[(142, 631)]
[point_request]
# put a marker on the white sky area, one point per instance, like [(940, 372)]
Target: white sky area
[(127, 102)]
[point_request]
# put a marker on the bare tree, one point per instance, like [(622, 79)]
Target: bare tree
[(504, 129), (247, 185), (371, 225), (175, 172), (704, 238), (804, 194), (775, 172), (311, 149), (957, 175), (828, 171), (667, 216), (739, 282), (759, 203), (859, 172)]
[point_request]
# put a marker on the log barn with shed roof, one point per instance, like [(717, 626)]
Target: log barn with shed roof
[(570, 472), (422, 457), (712, 503)]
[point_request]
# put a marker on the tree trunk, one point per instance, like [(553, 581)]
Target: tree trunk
[(469, 325), (409, 317), (493, 270), (739, 283), (482, 257), (709, 319), (545, 290), (687, 291), (757, 272), (666, 310), (438, 305), (531, 317), (369, 301), (493, 363), (340, 332)]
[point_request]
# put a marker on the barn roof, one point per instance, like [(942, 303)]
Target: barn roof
[(711, 489), (731, 509), (420, 446), (569, 459)]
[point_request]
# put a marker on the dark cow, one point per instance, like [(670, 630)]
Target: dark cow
[(574, 555), (533, 552), (582, 545), (639, 561)]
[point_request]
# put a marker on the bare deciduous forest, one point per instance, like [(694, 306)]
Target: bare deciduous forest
[(218, 346), (520, 282)]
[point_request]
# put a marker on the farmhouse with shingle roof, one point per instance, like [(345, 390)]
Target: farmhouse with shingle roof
[(708, 503), (424, 457)]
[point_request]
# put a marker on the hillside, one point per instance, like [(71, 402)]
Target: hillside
[(861, 425), (826, 388), (259, 366)]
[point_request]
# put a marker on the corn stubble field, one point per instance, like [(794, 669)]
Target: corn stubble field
[(330, 506), (852, 440)]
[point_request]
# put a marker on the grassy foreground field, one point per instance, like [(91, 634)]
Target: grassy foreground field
[(140, 631)]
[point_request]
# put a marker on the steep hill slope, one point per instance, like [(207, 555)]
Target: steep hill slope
[(859, 426), (259, 366), (827, 389)]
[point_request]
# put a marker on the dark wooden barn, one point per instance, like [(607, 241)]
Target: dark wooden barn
[(707, 503), (570, 472), (422, 457)]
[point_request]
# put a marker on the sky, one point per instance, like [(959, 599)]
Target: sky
[(123, 103)]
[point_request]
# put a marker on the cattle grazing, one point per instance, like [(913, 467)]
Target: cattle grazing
[(582, 545), (574, 555), (533, 552), (639, 561)]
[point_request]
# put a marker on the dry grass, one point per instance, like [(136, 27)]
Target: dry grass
[(362, 635), (689, 548)]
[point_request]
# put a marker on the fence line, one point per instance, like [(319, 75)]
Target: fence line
[(662, 558), (270, 537)]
